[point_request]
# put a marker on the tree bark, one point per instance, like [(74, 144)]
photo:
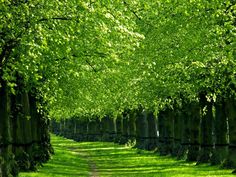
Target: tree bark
[(94, 130), (177, 133), (8, 164), (119, 129), (105, 128), (206, 138), (194, 139), (152, 131), (221, 133), (185, 133), (141, 130), (169, 131), (131, 128), (125, 132), (230, 161)]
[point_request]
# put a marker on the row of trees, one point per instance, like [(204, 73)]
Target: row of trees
[(184, 68), (189, 133), (47, 49), (24, 131), (97, 58)]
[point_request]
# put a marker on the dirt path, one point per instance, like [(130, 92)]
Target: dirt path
[(93, 168), (91, 163)]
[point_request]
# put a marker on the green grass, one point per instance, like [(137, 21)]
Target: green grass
[(73, 159), (64, 163)]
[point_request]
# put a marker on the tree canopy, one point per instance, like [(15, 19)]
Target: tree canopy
[(101, 57)]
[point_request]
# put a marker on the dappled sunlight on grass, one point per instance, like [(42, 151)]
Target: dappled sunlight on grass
[(111, 160), (64, 163), (124, 161)]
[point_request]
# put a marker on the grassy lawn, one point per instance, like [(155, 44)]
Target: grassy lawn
[(64, 163), (74, 159)]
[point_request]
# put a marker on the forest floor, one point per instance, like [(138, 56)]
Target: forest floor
[(102, 159)]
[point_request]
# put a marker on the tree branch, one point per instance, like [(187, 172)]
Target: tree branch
[(55, 18), (91, 66), (135, 13), (6, 51)]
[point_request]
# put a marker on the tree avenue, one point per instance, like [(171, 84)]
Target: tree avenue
[(157, 75)]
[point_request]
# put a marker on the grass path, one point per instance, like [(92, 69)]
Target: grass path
[(100, 159)]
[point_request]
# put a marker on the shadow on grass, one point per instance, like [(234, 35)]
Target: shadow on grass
[(64, 163), (117, 160)]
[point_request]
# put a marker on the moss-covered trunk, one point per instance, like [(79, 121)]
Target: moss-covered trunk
[(206, 128), (221, 133)]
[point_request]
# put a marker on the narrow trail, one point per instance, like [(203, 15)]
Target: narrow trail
[(93, 168), (85, 155)]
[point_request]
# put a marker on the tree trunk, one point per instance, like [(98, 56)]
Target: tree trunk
[(131, 128), (194, 139), (125, 132), (34, 131), (185, 133), (8, 164), (55, 126), (141, 130), (119, 128), (94, 130), (177, 133), (44, 136), (230, 161), (105, 129), (78, 136), (111, 129), (221, 133), (206, 130), (152, 131), (84, 130), (27, 129), (161, 129), (22, 129), (169, 131)]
